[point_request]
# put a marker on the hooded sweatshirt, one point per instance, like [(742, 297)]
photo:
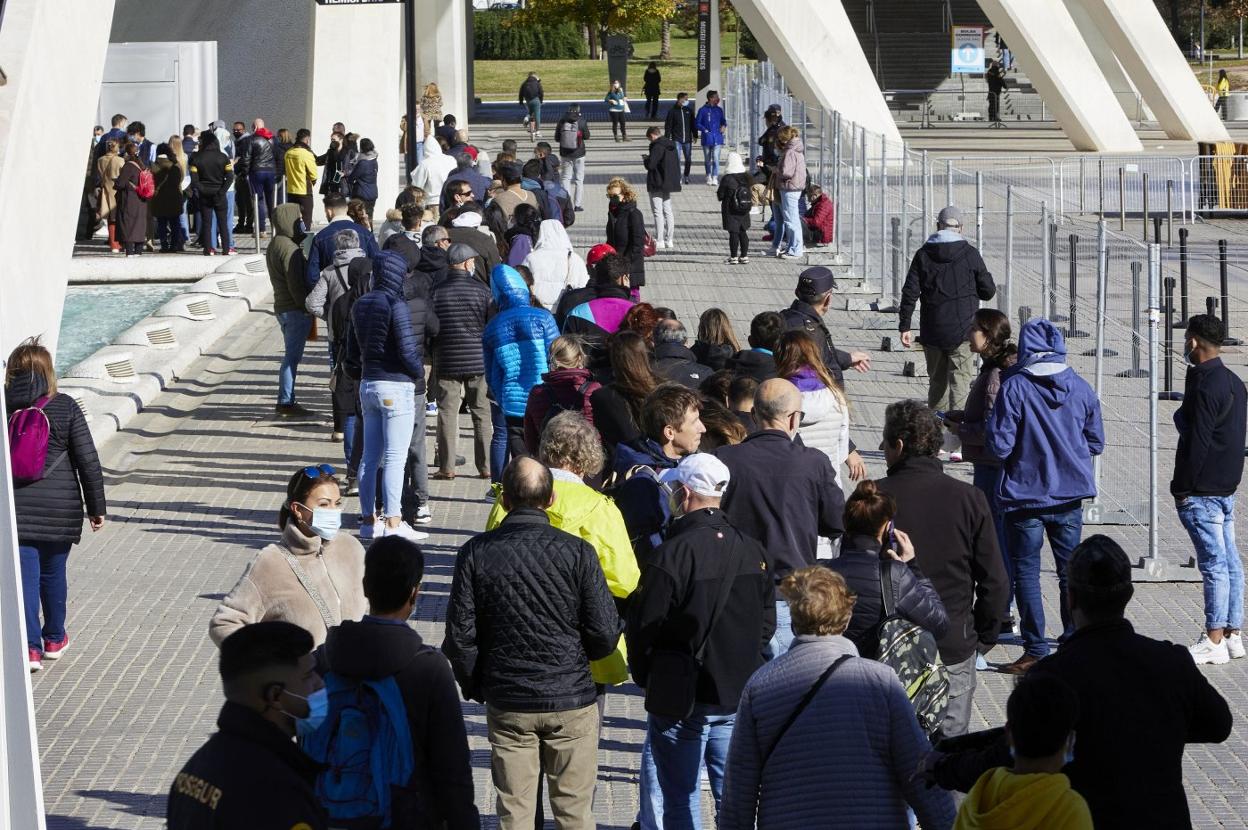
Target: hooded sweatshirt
[(791, 174), (516, 342), (284, 259), (554, 264), (431, 175), (440, 789), (1002, 800), (1045, 426), (334, 282), (948, 278), (592, 516)]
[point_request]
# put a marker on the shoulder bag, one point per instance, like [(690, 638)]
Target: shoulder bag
[(672, 683), (801, 706), (317, 599)]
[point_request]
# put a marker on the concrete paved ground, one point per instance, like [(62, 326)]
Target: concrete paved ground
[(194, 486)]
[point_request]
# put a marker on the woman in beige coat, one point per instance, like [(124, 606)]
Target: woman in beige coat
[(106, 170), (313, 576)]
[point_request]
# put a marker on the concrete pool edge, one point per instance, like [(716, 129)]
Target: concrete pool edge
[(116, 382), (114, 269)]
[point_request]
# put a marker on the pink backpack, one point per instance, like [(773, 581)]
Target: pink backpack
[(29, 431)]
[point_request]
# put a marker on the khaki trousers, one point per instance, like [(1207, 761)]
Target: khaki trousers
[(950, 373), (451, 391), (564, 745)]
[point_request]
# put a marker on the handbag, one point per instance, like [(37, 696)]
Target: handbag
[(627, 108), (672, 683), (648, 246)]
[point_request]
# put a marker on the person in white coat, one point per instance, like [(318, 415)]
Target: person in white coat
[(431, 174), (554, 264)]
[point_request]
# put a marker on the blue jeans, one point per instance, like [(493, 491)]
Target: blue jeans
[(348, 438), (295, 327), (783, 638), (710, 158), (535, 112), (680, 747), (389, 410), (498, 442), (792, 222), (262, 184), (650, 814), (229, 224), (1210, 521), (43, 582), (1025, 531), (684, 153), (986, 477)]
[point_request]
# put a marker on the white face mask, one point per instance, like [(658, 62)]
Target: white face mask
[(326, 522)]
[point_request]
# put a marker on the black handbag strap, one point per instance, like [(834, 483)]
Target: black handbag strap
[(802, 704), (887, 592), (721, 601)]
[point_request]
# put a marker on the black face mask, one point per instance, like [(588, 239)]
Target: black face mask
[(238, 133), (615, 201)]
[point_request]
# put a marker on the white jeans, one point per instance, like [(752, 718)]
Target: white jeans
[(663, 218), (572, 171)]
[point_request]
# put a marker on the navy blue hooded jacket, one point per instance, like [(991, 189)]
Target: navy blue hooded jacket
[(1045, 426), (385, 342)]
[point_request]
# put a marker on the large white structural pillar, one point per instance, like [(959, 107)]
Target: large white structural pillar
[(443, 52), (1146, 49), (47, 110), (370, 106), (1058, 62), (1129, 98), (815, 48)]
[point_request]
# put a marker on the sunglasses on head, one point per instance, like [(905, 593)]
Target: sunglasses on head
[(318, 470)]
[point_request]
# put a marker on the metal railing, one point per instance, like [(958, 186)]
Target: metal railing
[(1087, 241)]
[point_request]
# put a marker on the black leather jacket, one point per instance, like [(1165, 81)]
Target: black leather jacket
[(260, 154)]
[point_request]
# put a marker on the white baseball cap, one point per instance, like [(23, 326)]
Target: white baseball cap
[(701, 473)]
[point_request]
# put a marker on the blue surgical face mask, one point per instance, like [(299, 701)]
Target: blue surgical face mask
[(325, 522), (318, 708)]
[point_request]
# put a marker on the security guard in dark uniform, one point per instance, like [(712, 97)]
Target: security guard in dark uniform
[(814, 298), (250, 774)]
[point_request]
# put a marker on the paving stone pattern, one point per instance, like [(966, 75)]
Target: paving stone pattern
[(194, 485)]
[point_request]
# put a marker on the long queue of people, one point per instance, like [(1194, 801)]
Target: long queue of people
[(657, 505)]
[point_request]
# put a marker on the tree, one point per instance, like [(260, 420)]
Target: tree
[(665, 42), (601, 17)]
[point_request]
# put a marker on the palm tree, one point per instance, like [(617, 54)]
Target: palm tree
[(665, 42)]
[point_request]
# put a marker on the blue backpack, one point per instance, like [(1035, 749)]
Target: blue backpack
[(366, 744)]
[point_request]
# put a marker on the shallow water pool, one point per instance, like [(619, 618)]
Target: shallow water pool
[(95, 314)]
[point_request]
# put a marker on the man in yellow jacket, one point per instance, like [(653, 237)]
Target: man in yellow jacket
[(571, 448), (300, 164)]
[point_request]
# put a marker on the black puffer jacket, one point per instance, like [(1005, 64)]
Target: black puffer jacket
[(715, 355), (461, 304), (915, 598), (626, 232), (677, 363), (949, 278), (51, 509), (387, 342), (529, 609)]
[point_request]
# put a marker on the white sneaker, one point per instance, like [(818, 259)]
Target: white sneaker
[(404, 530), (708, 180), (1234, 645), (1206, 651), (423, 515)]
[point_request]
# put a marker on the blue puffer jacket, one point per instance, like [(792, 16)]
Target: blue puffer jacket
[(385, 342), (517, 341), (1045, 426)]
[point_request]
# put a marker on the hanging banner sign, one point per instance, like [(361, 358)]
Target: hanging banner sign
[(704, 43), (967, 55)]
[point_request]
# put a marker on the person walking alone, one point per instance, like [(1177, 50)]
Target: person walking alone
[(651, 81), (617, 108), (1208, 466), (662, 180), (712, 124), (948, 278), (531, 95), (570, 135)]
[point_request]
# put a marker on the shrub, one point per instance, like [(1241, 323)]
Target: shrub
[(496, 37)]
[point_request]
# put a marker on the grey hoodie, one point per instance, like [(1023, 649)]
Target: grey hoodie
[(331, 285)]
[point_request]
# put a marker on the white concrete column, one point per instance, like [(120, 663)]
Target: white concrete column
[(1058, 62), (443, 52), (369, 104), (47, 110), (1140, 39), (1128, 96), (813, 45)]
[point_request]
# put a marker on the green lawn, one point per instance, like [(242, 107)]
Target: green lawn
[(500, 80)]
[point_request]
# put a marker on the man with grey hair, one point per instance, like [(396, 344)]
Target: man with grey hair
[(782, 493), (948, 278), (672, 357)]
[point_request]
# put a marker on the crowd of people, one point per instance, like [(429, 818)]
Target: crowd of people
[(668, 512)]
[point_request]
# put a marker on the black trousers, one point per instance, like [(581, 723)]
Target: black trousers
[(738, 241), (994, 106), (618, 124), (652, 105), (304, 202), (242, 202), (210, 203)]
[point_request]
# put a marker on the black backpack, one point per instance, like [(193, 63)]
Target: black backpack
[(910, 650), (741, 200), (586, 389)]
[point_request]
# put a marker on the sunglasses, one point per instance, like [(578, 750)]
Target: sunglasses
[(318, 470)]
